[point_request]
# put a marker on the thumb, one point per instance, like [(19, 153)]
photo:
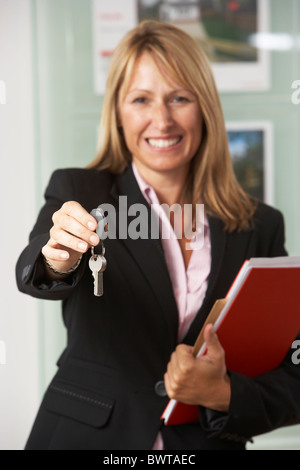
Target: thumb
[(213, 344)]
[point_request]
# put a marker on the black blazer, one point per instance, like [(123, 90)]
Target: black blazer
[(107, 392)]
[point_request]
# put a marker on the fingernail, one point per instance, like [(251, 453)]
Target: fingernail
[(94, 239), (82, 246), (91, 225), (64, 255)]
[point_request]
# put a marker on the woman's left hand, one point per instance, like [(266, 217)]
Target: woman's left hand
[(200, 381)]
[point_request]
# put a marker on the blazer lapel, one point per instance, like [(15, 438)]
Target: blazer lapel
[(147, 252), (218, 244)]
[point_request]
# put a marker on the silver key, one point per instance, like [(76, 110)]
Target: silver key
[(97, 265)]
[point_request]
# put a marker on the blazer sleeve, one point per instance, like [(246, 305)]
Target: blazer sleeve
[(265, 403), (30, 274)]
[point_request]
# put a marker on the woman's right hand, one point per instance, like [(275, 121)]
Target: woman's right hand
[(71, 235)]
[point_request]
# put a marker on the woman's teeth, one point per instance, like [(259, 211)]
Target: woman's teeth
[(163, 143)]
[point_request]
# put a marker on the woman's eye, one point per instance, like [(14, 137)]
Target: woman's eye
[(180, 99), (140, 100)]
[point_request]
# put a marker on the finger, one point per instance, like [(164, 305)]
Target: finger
[(67, 240), (167, 384), (178, 358), (184, 350), (180, 367), (178, 376), (72, 226), (172, 382), (75, 210), (55, 254), (185, 358), (172, 366)]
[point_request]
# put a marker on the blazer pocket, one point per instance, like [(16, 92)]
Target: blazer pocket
[(85, 406)]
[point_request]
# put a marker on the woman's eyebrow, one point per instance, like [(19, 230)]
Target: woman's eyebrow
[(145, 90)]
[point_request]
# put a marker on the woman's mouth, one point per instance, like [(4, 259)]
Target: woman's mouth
[(164, 143)]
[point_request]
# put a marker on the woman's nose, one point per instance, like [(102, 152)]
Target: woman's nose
[(162, 117)]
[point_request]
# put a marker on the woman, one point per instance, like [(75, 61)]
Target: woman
[(163, 141)]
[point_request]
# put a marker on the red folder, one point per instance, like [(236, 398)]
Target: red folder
[(256, 323)]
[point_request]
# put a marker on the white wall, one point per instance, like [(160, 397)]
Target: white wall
[(19, 381)]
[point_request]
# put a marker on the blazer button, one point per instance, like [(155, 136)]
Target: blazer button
[(160, 389)]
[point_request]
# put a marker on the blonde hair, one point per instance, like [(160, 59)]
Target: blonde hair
[(211, 179)]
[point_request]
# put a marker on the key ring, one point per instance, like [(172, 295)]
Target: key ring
[(102, 248)]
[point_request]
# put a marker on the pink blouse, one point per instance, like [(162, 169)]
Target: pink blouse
[(189, 285)]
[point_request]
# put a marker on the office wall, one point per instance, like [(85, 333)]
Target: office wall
[(70, 110), (55, 115), (19, 321)]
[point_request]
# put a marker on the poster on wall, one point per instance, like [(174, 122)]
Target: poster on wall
[(111, 21), (230, 33), (250, 145)]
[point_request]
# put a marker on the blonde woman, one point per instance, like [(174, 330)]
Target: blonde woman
[(162, 142)]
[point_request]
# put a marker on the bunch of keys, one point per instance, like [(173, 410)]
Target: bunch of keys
[(97, 262)]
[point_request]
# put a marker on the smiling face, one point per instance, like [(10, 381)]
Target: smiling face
[(161, 121)]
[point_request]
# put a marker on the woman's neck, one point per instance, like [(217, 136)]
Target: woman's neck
[(168, 185)]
